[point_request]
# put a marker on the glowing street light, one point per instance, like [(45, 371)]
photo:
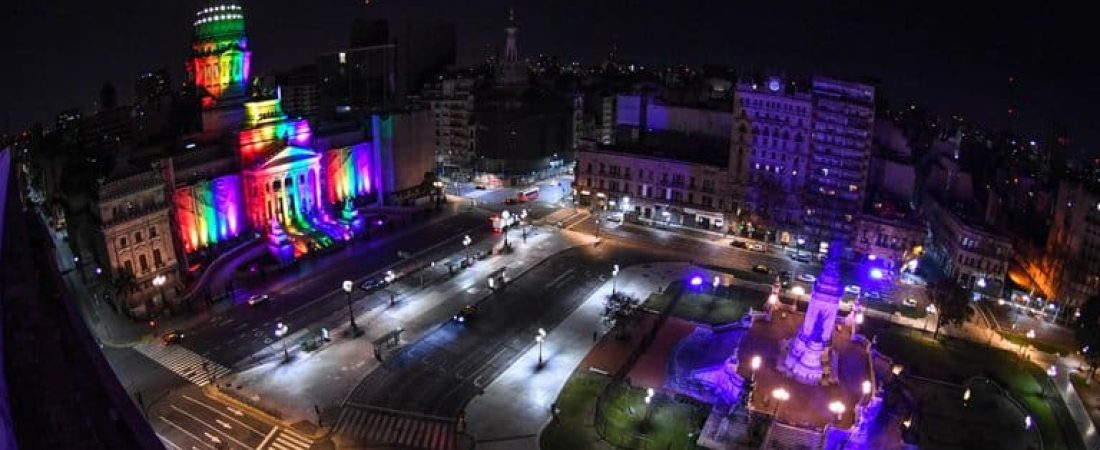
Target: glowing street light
[(159, 281), (716, 282), (348, 286), (754, 364), (798, 290), (1027, 422), (281, 330), (780, 395), (866, 389), (696, 280), (614, 273), (966, 395), (466, 241), (897, 369), (540, 337), (876, 274), (837, 407), (1052, 371)]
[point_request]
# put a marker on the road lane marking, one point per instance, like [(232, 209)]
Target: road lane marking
[(176, 426), (207, 425), (168, 441), (235, 411), (267, 438), (238, 412), (224, 424), (212, 438)]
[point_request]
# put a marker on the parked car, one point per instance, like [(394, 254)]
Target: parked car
[(910, 302), (480, 187), (617, 218), (756, 247), (760, 268), (874, 296), (258, 299), (481, 254), (739, 244), (853, 289), (801, 257), (172, 337), (806, 278), (465, 314)]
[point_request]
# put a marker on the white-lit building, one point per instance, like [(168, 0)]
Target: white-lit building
[(967, 250), (452, 104)]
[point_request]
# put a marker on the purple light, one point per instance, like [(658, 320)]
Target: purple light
[(876, 273), (696, 280), (379, 222)]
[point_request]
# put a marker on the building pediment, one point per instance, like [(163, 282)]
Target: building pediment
[(290, 155)]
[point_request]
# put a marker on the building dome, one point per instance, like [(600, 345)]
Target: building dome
[(219, 20)]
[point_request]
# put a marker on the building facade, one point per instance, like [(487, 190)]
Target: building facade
[(770, 157), (969, 252), (136, 236), (1069, 269), (843, 121), (452, 103)]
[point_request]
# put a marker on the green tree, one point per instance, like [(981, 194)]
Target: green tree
[(952, 304), (125, 284), (1088, 334)]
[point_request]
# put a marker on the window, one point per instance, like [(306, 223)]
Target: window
[(122, 242), (129, 266), (152, 232), (144, 262), (137, 237), (157, 260)]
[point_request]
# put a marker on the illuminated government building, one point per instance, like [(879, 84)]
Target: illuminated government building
[(254, 171)]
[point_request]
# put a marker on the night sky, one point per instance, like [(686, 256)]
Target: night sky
[(951, 58)]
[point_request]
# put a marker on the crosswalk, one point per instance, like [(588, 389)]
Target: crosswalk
[(398, 429), (289, 440), (183, 362)]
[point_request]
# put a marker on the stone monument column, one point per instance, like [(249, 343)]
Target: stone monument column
[(805, 351)]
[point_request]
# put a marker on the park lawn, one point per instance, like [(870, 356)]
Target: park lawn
[(577, 402), (1036, 344), (669, 427), (955, 360), (730, 305)]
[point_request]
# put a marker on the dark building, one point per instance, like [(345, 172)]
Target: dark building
[(300, 91), (523, 132), (424, 47), (361, 79), (151, 87)]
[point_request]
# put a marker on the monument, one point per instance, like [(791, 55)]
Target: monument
[(808, 353)]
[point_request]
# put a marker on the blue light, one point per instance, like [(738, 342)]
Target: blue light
[(876, 273), (696, 280)]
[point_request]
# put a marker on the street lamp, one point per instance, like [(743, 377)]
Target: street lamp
[(348, 285), (281, 330), (1029, 335), (159, 281), (523, 224), (614, 274), (540, 337), (866, 389), (648, 399), (1052, 371), (754, 364), (780, 395), (466, 241), (929, 310), (837, 407), (801, 242), (715, 283)]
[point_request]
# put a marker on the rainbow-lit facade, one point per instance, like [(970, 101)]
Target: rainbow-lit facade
[(220, 60), (287, 188)]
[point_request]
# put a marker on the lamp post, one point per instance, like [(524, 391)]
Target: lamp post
[(780, 395), (348, 286), (929, 310), (466, 241), (715, 284), (523, 224), (648, 399), (390, 277), (837, 407), (866, 389), (1029, 335), (614, 276), (801, 242), (159, 281), (281, 330), (754, 364), (540, 337)]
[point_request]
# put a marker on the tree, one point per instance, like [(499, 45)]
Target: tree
[(1088, 334), (125, 284), (952, 304), (619, 312)]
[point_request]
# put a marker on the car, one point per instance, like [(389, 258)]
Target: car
[(803, 258), (739, 244), (806, 278), (617, 218), (373, 284), (756, 247), (171, 337), (853, 289), (465, 314), (874, 296), (910, 302), (480, 187), (760, 268), (258, 299)]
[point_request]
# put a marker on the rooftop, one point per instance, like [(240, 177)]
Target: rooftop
[(668, 145)]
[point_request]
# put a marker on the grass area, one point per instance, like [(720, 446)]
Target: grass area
[(577, 401), (724, 306), (1036, 344), (624, 421), (955, 360)]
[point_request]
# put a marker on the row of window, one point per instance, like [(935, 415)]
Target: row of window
[(755, 103), (623, 171), (642, 191), (143, 263), (138, 237)]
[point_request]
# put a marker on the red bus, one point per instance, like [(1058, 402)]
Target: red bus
[(528, 195)]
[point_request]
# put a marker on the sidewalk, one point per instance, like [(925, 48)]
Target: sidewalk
[(515, 406), (326, 376)]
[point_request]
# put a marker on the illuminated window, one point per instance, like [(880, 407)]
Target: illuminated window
[(852, 188)]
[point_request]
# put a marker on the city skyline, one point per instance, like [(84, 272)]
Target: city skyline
[(1024, 59)]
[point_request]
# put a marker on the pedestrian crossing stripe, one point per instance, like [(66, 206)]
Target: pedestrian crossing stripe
[(183, 362), (289, 440), (396, 428)]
